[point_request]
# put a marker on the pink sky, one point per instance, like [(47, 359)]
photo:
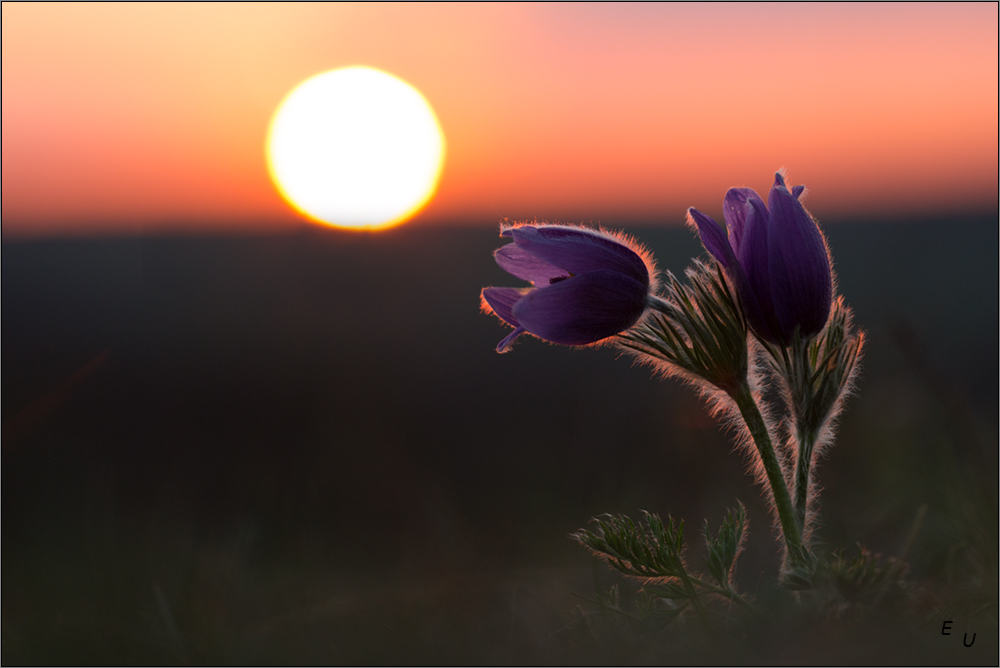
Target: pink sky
[(121, 118)]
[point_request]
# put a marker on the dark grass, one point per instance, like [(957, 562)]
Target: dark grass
[(304, 449)]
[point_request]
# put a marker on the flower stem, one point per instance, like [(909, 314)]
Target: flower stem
[(806, 440), (797, 553)]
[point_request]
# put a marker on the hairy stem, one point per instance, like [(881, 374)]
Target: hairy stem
[(807, 441), (743, 397)]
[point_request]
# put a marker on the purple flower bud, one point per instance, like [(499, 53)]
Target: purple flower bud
[(777, 258), (588, 284)]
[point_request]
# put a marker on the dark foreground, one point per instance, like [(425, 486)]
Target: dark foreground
[(303, 449)]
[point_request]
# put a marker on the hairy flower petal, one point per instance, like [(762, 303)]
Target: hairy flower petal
[(583, 309), (502, 300), (799, 266), (508, 341), (735, 207), (578, 250), (713, 238), (758, 303), (517, 261)]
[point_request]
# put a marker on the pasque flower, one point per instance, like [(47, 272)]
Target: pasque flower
[(777, 258), (588, 284)]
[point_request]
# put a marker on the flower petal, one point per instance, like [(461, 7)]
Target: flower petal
[(735, 207), (753, 258), (517, 261), (799, 266), (502, 300), (508, 341), (583, 309), (578, 250), (713, 238), (718, 245)]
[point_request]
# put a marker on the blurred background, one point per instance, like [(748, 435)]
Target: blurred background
[(231, 435)]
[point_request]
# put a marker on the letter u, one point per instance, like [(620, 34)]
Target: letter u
[(966, 637)]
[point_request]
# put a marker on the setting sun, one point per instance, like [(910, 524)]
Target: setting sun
[(355, 148)]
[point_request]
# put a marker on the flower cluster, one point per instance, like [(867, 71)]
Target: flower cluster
[(590, 285), (771, 276)]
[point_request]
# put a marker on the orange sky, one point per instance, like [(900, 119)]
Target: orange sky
[(153, 116)]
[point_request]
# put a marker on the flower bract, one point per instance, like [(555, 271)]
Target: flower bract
[(588, 285), (776, 256)]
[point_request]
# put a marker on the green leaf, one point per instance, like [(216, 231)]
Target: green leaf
[(652, 550), (697, 327), (672, 590), (726, 546)]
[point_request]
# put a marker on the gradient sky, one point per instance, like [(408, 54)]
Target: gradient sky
[(153, 116)]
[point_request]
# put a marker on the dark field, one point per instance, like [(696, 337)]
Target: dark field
[(304, 449)]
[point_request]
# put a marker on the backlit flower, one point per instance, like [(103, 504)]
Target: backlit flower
[(588, 284), (777, 258)]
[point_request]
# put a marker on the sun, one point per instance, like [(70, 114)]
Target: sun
[(355, 148)]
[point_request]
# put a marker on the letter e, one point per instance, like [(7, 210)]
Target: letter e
[(945, 629)]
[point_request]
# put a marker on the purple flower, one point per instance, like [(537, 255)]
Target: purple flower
[(777, 258), (588, 285)]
